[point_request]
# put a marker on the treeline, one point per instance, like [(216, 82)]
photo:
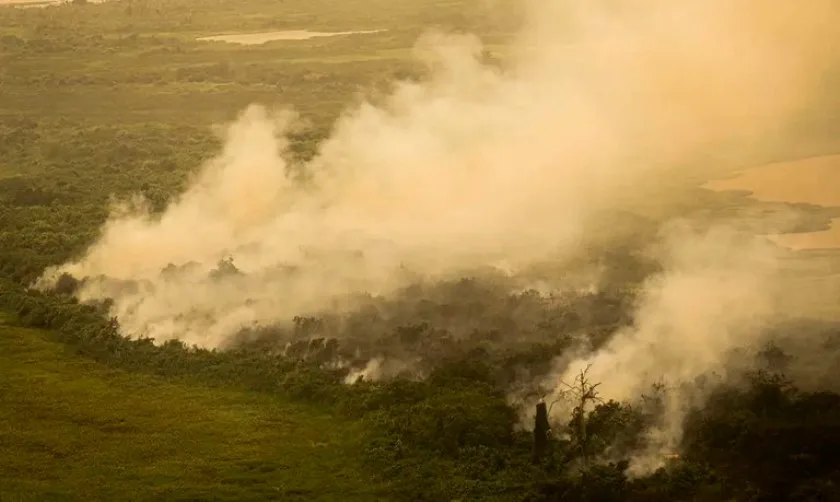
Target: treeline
[(175, 62), (453, 435)]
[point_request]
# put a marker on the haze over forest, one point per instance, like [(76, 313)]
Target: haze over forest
[(437, 218)]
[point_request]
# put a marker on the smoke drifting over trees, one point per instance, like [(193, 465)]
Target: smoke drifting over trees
[(522, 176)]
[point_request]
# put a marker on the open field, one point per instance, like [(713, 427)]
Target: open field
[(72, 429)]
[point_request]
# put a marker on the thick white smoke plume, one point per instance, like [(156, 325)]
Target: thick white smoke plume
[(718, 291), (599, 108), (600, 105)]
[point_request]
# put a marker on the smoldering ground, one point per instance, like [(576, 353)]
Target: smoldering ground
[(603, 109)]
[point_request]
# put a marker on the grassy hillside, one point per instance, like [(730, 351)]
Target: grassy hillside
[(73, 429)]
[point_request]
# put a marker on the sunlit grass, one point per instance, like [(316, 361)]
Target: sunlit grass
[(71, 429)]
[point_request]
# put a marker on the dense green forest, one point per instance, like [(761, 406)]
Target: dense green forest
[(106, 100)]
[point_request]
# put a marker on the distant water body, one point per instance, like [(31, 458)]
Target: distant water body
[(261, 38), (813, 180), (37, 3)]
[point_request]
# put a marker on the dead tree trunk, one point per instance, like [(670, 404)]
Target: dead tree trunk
[(541, 432)]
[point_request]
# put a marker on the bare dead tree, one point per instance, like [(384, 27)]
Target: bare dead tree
[(583, 392)]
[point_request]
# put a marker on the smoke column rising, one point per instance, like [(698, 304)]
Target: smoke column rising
[(600, 106), (717, 292)]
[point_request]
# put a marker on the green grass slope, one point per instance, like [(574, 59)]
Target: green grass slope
[(71, 429)]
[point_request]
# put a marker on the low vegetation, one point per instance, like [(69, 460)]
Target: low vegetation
[(450, 436), (75, 429)]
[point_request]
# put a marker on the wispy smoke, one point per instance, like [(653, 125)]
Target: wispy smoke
[(718, 291), (599, 109)]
